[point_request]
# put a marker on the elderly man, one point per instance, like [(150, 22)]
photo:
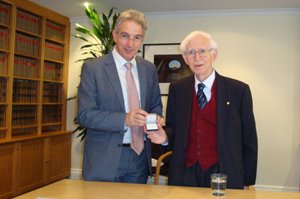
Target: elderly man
[(210, 125), (115, 94)]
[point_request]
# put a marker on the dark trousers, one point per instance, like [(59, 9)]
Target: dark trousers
[(194, 176)]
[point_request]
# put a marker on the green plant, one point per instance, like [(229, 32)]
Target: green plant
[(102, 44)]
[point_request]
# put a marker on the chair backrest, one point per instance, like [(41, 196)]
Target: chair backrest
[(157, 170)]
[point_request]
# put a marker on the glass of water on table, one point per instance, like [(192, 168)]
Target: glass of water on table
[(218, 184)]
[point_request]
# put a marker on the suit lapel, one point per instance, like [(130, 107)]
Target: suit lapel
[(112, 73), (223, 104), (187, 100), (143, 81)]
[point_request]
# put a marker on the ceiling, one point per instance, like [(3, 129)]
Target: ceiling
[(74, 8)]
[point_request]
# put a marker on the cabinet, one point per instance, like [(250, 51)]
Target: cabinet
[(35, 148), (26, 165)]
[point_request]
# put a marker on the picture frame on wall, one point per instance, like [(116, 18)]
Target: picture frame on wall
[(169, 63), (170, 66)]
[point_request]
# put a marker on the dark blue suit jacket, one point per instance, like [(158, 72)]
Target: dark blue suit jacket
[(237, 139)]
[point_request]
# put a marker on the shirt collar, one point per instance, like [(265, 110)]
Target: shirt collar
[(208, 82), (120, 61)]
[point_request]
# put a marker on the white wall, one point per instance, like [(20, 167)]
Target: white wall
[(260, 50)]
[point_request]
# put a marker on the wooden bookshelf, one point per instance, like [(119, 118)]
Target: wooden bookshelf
[(34, 52)]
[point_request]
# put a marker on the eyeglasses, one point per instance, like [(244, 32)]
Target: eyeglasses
[(203, 52), (126, 37)]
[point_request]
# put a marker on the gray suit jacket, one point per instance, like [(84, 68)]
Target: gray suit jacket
[(101, 110)]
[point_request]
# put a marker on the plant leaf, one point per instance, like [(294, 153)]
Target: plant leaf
[(93, 54), (97, 21), (89, 45), (71, 98), (82, 29), (80, 37)]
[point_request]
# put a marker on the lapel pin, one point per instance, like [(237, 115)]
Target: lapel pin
[(228, 103)]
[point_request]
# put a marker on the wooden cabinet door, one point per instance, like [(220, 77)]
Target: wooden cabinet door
[(58, 162), (7, 153), (31, 165)]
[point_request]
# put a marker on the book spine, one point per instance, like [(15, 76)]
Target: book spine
[(2, 64)]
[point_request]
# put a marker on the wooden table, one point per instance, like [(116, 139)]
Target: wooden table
[(78, 189)]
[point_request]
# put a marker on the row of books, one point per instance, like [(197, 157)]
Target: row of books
[(51, 114), (28, 22), (3, 63), (4, 13), (26, 45), (3, 90), (52, 71), (23, 115), (25, 67), (23, 131), (3, 38), (2, 116), (52, 93), (25, 91), (54, 31), (54, 51)]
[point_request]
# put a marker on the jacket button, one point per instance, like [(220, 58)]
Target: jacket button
[(198, 153)]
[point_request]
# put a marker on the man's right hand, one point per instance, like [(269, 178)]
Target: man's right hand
[(136, 118)]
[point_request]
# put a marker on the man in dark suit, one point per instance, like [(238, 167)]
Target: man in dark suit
[(106, 110), (210, 125)]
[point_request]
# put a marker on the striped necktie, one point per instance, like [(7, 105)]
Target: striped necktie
[(201, 96)]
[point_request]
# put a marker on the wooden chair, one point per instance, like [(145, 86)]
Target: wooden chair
[(157, 170)]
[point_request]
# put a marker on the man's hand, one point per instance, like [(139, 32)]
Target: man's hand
[(246, 187), (160, 120), (136, 118), (157, 137)]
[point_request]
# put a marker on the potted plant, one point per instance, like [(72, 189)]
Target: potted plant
[(102, 43)]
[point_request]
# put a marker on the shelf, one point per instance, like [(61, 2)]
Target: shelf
[(15, 104), (51, 124), (4, 51), (55, 41), (26, 55), (26, 126), (28, 33), (53, 81), (5, 25), (54, 61), (26, 78)]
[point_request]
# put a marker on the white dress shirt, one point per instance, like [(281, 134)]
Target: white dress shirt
[(208, 84), (120, 61)]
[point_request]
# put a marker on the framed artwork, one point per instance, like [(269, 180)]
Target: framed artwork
[(169, 63)]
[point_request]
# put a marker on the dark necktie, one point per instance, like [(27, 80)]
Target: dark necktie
[(201, 96), (137, 138)]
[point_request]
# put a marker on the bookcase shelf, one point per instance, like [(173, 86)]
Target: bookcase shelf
[(55, 41), (4, 51), (28, 33), (25, 55), (34, 52), (4, 25), (54, 61)]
